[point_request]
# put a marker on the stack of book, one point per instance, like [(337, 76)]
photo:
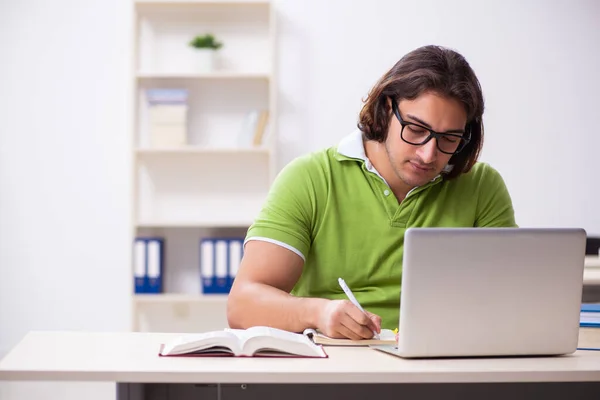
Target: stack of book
[(167, 117), (589, 331), (590, 315)]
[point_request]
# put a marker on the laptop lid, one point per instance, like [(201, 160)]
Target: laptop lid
[(491, 291)]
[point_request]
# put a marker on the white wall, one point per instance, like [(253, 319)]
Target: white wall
[(537, 60), (64, 204), (64, 147)]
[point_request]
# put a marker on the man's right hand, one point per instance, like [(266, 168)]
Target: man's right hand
[(342, 319)]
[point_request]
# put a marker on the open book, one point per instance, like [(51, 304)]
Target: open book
[(258, 341), (387, 336)]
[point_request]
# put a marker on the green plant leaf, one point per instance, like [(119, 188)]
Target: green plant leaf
[(206, 41)]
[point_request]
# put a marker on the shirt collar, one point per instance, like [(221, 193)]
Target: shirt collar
[(352, 147)]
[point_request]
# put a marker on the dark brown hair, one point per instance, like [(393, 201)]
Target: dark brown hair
[(428, 68)]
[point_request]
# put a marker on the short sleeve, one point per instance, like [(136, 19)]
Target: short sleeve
[(494, 205), (286, 217)]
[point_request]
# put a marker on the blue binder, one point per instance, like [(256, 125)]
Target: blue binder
[(213, 265), (148, 264), (207, 266), (140, 265), (219, 261), (236, 253), (155, 253)]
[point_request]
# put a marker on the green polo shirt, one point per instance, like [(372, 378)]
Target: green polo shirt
[(334, 210)]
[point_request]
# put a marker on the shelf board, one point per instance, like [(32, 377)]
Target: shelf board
[(208, 75), (203, 150), (202, 2), (174, 298)]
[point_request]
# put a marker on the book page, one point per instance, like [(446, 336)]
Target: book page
[(268, 340), (387, 336), (275, 333), (197, 342)]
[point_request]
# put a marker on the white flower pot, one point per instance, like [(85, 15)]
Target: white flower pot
[(205, 60)]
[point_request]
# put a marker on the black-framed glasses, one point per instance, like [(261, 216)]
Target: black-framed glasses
[(417, 135)]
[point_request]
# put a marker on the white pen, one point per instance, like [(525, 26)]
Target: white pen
[(350, 295)]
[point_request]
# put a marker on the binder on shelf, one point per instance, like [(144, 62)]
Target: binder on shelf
[(235, 257), (221, 266), (139, 265), (219, 262), (148, 261), (207, 265), (155, 251)]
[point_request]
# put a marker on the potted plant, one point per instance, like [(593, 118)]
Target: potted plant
[(205, 46)]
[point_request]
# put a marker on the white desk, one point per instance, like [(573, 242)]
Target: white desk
[(131, 360)]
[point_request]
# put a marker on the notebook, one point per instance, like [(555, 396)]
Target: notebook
[(386, 337), (258, 341), (589, 316)]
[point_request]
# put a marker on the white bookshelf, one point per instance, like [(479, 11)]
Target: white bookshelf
[(233, 151), (199, 76), (215, 184), (218, 300)]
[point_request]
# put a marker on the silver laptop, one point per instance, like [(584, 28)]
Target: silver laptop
[(469, 292)]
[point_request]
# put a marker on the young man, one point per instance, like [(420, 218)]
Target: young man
[(342, 212)]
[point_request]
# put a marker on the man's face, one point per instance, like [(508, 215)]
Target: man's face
[(417, 165)]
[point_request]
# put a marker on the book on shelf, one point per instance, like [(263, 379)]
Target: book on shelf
[(167, 117), (260, 128), (589, 316), (386, 337), (254, 129), (175, 96), (589, 323), (258, 341)]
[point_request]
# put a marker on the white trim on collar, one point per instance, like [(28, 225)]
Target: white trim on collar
[(352, 146)]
